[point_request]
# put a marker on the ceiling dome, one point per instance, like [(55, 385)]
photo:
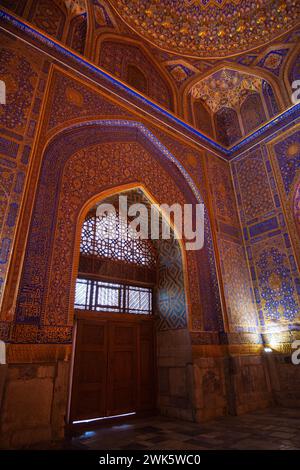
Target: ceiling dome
[(209, 28)]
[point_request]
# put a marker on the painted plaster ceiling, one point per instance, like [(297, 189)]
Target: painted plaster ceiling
[(226, 88), (209, 28)]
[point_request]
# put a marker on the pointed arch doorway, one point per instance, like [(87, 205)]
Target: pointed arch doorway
[(119, 295)]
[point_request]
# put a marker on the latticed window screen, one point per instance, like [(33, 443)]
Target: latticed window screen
[(123, 246), (102, 296)]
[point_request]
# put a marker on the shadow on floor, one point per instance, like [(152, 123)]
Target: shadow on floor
[(272, 429)]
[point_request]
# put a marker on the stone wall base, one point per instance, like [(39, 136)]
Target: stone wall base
[(175, 375), (285, 380), (34, 402), (33, 397)]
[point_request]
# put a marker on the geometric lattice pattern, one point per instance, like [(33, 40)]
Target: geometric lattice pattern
[(102, 296), (170, 307), (110, 236)]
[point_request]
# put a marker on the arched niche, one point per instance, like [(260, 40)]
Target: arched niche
[(79, 163), (77, 31), (118, 55), (202, 118), (162, 266), (252, 112), (137, 79), (133, 285), (223, 91), (227, 126), (48, 16)]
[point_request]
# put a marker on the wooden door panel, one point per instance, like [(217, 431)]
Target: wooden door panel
[(123, 335), (92, 367), (93, 334), (90, 371), (147, 367), (114, 368), (123, 368), (124, 382)]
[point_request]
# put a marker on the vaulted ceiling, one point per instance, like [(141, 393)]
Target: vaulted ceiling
[(208, 28), (224, 66)]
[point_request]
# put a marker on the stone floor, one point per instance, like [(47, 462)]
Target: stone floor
[(269, 429)]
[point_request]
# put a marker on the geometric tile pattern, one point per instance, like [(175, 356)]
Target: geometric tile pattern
[(270, 254), (241, 311), (170, 289), (273, 61), (256, 197), (275, 281), (296, 207), (17, 73), (288, 156), (237, 285), (285, 157), (20, 69)]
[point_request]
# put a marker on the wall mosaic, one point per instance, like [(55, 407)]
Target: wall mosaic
[(6, 185), (270, 99), (285, 157), (238, 102), (278, 296), (82, 104), (226, 88), (69, 100), (252, 112), (77, 33), (115, 58), (221, 188), (20, 68), (16, 6), (294, 73), (240, 306), (48, 16), (296, 206), (193, 160), (256, 198), (171, 303), (180, 73), (287, 153), (241, 312), (202, 118), (268, 243), (20, 78), (273, 61), (102, 17)]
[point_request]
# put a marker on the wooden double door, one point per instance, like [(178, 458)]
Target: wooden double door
[(114, 369)]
